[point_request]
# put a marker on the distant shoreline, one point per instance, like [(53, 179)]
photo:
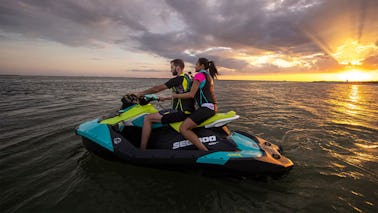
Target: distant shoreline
[(81, 76), (347, 82)]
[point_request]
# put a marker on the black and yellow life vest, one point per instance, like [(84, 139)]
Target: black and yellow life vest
[(185, 105)]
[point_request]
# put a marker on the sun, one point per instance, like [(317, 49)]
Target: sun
[(354, 75)]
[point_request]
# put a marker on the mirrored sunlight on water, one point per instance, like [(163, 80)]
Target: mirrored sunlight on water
[(329, 130)]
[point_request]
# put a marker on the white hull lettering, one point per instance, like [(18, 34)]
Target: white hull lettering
[(185, 143)]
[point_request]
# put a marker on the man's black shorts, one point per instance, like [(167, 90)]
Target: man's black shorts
[(201, 115), (172, 116)]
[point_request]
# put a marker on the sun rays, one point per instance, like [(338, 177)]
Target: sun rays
[(349, 37)]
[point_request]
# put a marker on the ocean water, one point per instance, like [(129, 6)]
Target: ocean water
[(329, 130)]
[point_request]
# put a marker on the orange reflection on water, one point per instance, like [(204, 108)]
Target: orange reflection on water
[(353, 95), (346, 103), (352, 106)]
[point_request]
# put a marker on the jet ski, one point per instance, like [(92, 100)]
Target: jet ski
[(118, 136)]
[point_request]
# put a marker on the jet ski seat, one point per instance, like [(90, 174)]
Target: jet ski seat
[(135, 115), (218, 120)]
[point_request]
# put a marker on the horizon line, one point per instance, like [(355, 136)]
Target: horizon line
[(98, 76)]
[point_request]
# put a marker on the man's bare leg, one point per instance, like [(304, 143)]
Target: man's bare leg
[(147, 127)]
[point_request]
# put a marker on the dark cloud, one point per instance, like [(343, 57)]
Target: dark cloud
[(243, 23), (3, 37), (235, 24), (230, 20), (74, 23), (169, 45)]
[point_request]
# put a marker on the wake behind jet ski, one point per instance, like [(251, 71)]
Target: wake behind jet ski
[(232, 152)]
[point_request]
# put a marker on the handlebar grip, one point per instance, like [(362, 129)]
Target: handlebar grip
[(151, 97)]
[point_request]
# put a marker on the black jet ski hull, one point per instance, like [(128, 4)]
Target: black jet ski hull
[(230, 152)]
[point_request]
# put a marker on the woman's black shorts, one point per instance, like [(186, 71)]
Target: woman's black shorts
[(201, 115), (172, 116)]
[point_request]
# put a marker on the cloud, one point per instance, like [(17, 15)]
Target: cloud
[(241, 26), (147, 70), (288, 34), (242, 23), (372, 62), (76, 23)]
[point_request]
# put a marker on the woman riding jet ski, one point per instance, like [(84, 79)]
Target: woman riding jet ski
[(230, 152)]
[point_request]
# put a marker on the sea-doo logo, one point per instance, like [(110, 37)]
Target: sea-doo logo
[(117, 140), (185, 143)]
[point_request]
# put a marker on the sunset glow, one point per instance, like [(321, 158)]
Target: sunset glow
[(353, 53), (259, 40), (355, 75)]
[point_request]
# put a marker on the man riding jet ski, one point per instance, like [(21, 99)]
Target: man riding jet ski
[(231, 152)]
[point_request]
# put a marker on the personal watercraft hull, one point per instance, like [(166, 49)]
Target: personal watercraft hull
[(233, 153)]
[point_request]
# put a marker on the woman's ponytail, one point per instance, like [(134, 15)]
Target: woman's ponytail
[(209, 65), (213, 69)]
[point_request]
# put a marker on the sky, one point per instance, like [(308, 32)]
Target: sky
[(293, 40)]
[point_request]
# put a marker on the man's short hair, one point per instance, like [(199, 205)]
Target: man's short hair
[(178, 62)]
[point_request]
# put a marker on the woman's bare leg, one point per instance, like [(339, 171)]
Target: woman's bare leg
[(186, 130)]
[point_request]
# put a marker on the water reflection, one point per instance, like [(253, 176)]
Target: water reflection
[(347, 103), (351, 147), (353, 95), (352, 106)]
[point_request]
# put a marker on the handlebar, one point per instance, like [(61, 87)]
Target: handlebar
[(142, 100), (151, 97)]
